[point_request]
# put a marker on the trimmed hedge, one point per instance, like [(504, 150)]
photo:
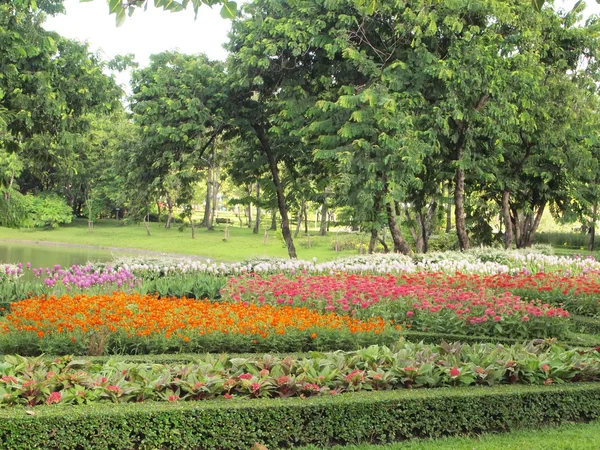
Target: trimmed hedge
[(586, 324), (376, 417)]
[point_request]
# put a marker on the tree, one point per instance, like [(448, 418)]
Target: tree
[(177, 102), (51, 90)]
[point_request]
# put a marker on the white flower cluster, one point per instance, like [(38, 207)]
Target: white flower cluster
[(478, 262)]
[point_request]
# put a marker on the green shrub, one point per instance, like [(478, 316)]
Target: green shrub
[(368, 417), (47, 210), (570, 240)]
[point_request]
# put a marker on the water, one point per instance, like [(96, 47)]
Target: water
[(48, 255)]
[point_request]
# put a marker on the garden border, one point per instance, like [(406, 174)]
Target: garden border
[(362, 417)]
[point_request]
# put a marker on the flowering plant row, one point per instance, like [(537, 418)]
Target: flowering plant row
[(172, 324), (38, 381), (481, 261), (421, 302)]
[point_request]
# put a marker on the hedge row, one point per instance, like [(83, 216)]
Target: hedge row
[(586, 324), (324, 421)]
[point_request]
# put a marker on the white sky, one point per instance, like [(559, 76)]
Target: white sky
[(155, 30), (144, 33)]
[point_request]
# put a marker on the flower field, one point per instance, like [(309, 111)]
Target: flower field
[(424, 302), (176, 324), (297, 306)]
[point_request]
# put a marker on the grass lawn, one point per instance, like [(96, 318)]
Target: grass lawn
[(567, 437), (241, 243)]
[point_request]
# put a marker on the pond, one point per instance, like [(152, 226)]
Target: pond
[(49, 254)]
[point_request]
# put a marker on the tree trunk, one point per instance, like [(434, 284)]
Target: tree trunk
[(159, 210), (400, 244), (192, 223), (215, 193), (249, 207), (146, 225), (459, 199), (415, 231), (299, 221), (285, 223), (273, 220), (593, 226), (508, 227), (323, 228), (372, 241), (427, 225), (526, 226), (206, 219), (257, 223), (169, 211), (305, 219), (448, 209)]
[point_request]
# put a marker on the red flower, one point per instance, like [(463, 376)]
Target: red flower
[(454, 372), (55, 397)]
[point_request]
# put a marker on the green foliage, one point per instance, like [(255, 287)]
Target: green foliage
[(345, 419), (408, 366), (190, 286), (47, 210)]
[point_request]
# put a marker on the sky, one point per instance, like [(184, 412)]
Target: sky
[(155, 30), (144, 33)]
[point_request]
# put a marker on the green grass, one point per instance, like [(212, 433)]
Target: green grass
[(242, 243), (566, 437)]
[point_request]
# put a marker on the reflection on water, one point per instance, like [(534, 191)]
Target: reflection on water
[(48, 255)]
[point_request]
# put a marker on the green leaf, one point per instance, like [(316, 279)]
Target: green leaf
[(114, 6), (229, 10), (120, 17)]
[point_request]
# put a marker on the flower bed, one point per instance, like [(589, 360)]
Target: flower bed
[(63, 380), (124, 322), (423, 302)]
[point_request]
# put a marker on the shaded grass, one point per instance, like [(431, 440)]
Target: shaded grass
[(242, 243), (566, 437)]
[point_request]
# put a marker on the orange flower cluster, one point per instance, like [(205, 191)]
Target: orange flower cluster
[(143, 315)]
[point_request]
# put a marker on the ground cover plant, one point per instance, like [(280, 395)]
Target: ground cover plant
[(35, 381)]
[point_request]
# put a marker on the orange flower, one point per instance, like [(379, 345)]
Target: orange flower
[(175, 318)]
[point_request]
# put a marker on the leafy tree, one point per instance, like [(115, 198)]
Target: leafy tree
[(177, 103)]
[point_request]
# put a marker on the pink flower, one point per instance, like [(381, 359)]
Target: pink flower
[(525, 318), (246, 376), (255, 387), (545, 368), (54, 397), (174, 398), (497, 318), (454, 372), (409, 314)]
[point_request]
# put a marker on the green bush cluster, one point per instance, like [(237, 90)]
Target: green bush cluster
[(373, 417)]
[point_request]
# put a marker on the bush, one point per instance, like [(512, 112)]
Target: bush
[(47, 210), (570, 240), (443, 242), (323, 421)]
